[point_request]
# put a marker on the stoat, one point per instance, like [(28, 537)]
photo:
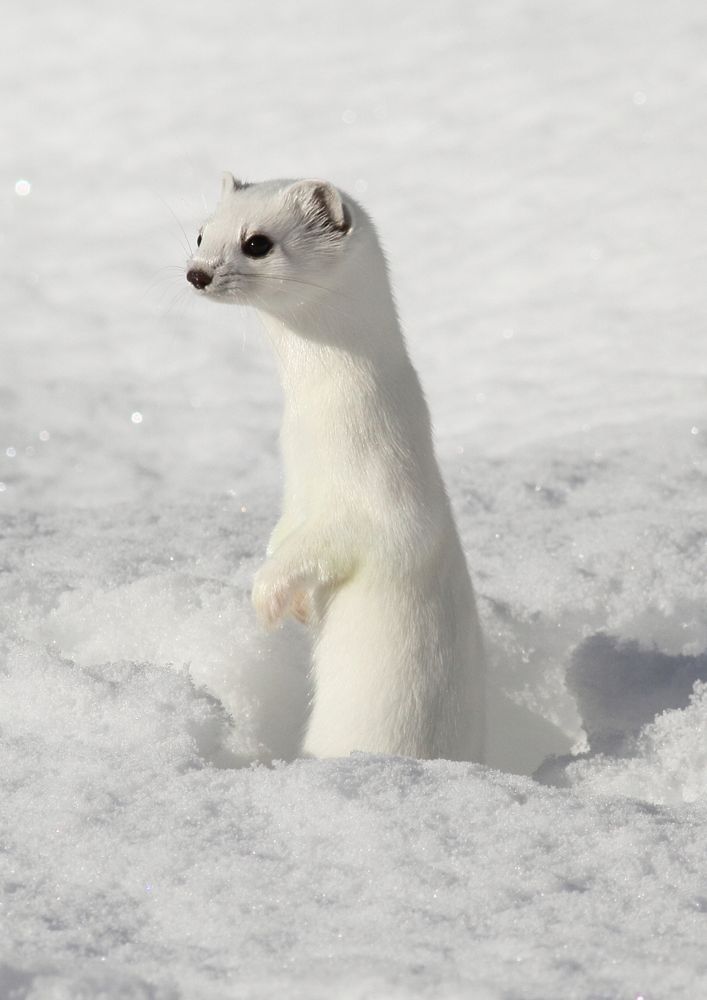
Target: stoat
[(366, 552)]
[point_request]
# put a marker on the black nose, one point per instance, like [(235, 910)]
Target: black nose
[(199, 279)]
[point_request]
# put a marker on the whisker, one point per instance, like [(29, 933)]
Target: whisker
[(177, 299), (177, 220), (307, 284), (156, 294), (168, 273), (163, 277), (292, 281), (335, 309)]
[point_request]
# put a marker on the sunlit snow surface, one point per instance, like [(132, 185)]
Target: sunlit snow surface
[(536, 170)]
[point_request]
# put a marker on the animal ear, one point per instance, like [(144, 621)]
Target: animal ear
[(229, 183), (321, 203)]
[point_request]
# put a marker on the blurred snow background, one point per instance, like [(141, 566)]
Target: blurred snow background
[(536, 170)]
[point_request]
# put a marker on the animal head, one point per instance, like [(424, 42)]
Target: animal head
[(273, 245)]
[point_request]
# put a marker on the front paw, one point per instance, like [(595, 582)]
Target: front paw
[(272, 596), (301, 607)]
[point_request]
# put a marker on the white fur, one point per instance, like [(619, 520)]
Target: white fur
[(366, 551)]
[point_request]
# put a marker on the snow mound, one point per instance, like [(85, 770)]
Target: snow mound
[(206, 629), (134, 867), (669, 764)]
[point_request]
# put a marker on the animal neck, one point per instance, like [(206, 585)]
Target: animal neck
[(353, 402), (348, 336)]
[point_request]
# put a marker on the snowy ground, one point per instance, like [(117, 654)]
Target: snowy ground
[(536, 170)]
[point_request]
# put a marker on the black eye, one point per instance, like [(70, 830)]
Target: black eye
[(257, 245), (198, 240)]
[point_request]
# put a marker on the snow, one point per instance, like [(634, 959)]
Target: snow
[(535, 170)]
